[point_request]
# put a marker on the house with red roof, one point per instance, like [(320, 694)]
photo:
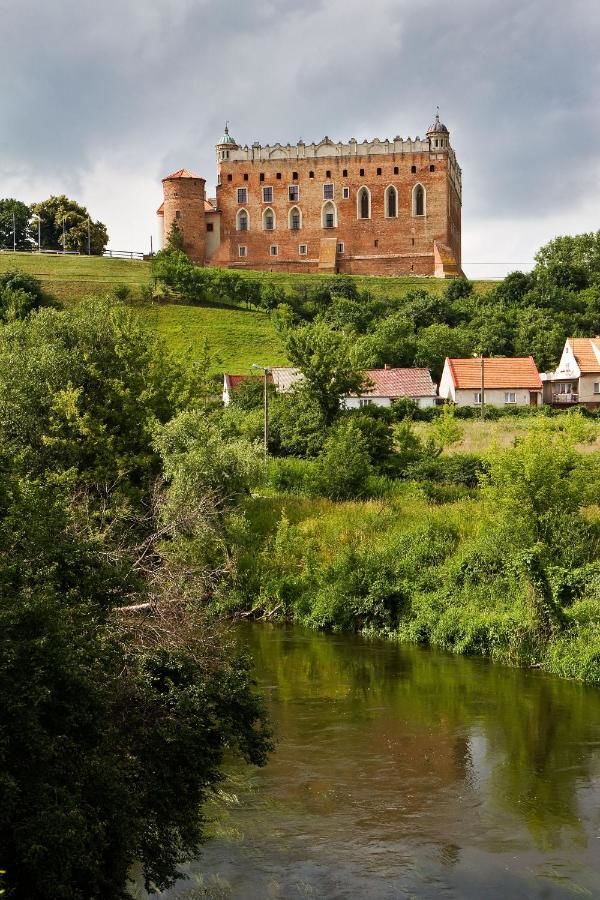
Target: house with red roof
[(577, 377), (389, 384), (232, 383), (502, 381)]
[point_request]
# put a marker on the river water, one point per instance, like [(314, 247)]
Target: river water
[(403, 772)]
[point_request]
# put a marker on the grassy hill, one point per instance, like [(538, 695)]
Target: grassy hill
[(237, 337)]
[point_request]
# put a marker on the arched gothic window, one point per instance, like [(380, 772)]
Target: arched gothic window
[(418, 204), (391, 202), (241, 220), (329, 215), (363, 203), (295, 219), (268, 219)]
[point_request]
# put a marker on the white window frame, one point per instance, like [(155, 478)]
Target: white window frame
[(267, 187), (508, 395), (290, 211), (329, 204), (266, 211), (274, 250), (302, 249), (296, 188), (597, 387), (365, 401), (238, 214), (345, 193), (477, 398), (326, 185), (339, 247), (242, 251), (242, 196), (413, 204), (359, 192), (390, 187)]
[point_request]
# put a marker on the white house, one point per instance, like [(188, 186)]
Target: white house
[(577, 377), (505, 382), (388, 384)]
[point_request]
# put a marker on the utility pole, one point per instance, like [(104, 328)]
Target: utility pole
[(482, 386), (89, 239), (266, 372), (14, 233)]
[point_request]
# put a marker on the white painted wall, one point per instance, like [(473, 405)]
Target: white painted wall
[(354, 402), (495, 397)]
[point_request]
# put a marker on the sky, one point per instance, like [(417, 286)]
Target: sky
[(102, 100)]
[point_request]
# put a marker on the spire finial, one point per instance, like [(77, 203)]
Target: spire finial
[(437, 115), (227, 125)]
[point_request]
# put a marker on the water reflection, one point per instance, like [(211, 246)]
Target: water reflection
[(404, 772)]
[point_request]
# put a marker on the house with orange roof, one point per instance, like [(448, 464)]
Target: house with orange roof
[(501, 381), (577, 377)]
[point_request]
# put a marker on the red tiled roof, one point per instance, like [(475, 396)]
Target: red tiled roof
[(499, 372), (161, 210), (236, 380), (181, 173), (583, 351), (395, 383)]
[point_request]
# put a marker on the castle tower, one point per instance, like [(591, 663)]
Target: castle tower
[(224, 147), (438, 134), (184, 205)]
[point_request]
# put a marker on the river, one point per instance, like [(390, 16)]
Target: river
[(404, 772)]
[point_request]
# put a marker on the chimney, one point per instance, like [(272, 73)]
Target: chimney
[(386, 366)]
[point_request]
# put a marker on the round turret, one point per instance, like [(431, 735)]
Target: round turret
[(226, 145), (438, 134), (183, 211)]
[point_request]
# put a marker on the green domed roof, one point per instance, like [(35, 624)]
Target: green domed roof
[(227, 138)]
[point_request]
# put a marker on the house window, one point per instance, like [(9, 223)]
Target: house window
[(242, 251), (295, 219), (293, 193), (242, 220), (210, 227), (477, 398), (597, 387), (327, 192), (242, 195), (273, 250), (344, 173), (268, 220), (418, 200), (346, 193), (363, 203), (396, 170), (267, 193), (510, 397), (566, 388), (302, 249), (391, 202), (339, 247), (365, 401)]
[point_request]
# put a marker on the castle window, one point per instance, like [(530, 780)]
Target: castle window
[(391, 202), (432, 168), (242, 251), (379, 171), (376, 242), (328, 215), (362, 173), (267, 194), (413, 242), (345, 193), (230, 177), (413, 169), (363, 204), (262, 176), (328, 173), (339, 248), (327, 192), (293, 193), (245, 176), (294, 219), (278, 176), (273, 250), (210, 227), (294, 176), (311, 174), (344, 173), (242, 195), (268, 219), (418, 200), (241, 220), (396, 170), (302, 250), (177, 214)]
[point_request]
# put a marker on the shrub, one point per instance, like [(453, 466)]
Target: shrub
[(343, 466)]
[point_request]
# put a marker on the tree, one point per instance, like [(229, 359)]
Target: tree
[(324, 357), (390, 341), (343, 466), (437, 342), (20, 294), (59, 215), (174, 239), (570, 258), (14, 225)]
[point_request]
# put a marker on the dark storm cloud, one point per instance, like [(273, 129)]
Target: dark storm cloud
[(517, 83)]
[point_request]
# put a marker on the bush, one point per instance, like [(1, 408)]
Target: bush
[(343, 466), (459, 469)]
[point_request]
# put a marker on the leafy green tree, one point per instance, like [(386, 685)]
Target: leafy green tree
[(324, 357), (540, 334), (298, 426), (20, 294), (60, 215), (570, 259), (174, 239), (446, 430), (343, 467), (436, 342), (391, 341), (14, 225)]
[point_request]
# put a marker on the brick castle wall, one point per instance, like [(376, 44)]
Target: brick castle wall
[(184, 203)]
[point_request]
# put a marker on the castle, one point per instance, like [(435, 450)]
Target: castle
[(371, 208)]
